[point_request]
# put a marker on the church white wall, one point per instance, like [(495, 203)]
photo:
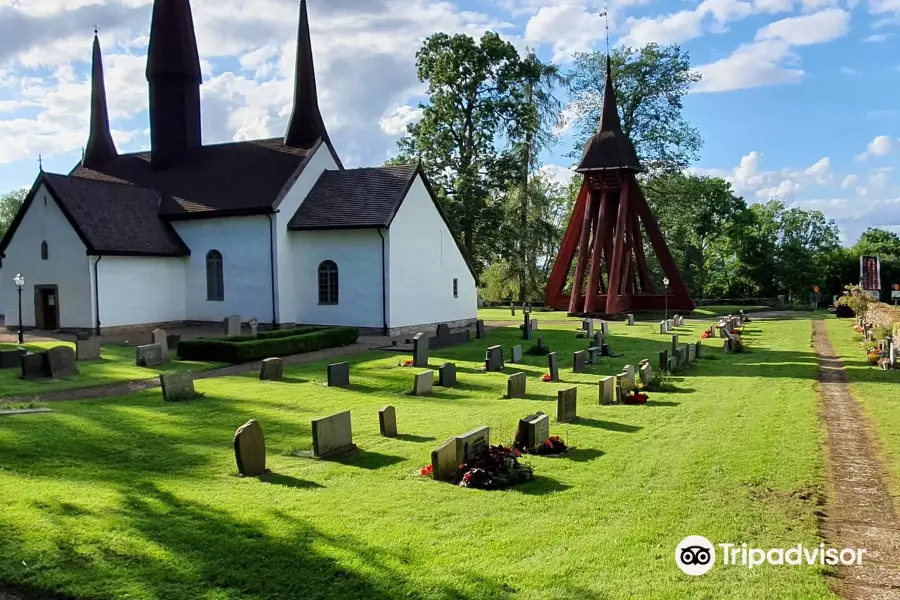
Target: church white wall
[(67, 265), (357, 254), (424, 261), (244, 244), (139, 290), (288, 303)]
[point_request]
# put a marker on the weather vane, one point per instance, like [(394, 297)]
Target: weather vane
[(605, 14)]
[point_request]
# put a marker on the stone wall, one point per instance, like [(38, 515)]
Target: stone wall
[(883, 315)]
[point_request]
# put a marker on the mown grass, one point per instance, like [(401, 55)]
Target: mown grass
[(701, 312), (116, 364), (133, 498), (877, 390)]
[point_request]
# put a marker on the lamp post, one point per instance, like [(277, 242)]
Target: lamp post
[(20, 283), (666, 283)]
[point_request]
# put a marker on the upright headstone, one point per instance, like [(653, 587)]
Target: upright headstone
[(177, 386), (422, 385), (691, 349), (339, 374), (646, 374), (534, 324), (674, 343), (534, 430), (517, 353), (663, 360), (232, 325), (672, 365), (387, 421), (526, 326), (598, 339), (332, 435), (61, 362), (604, 328), (420, 350), (594, 354), (697, 348), (250, 449), (515, 385), (607, 390), (253, 322), (892, 355), (447, 375), (479, 329), (271, 369), (512, 309), (629, 373), (726, 345), (35, 365), (494, 358), (662, 327), (553, 363), (88, 349), (12, 359), (567, 405), (472, 443), (670, 324), (444, 462), (587, 325), (159, 337), (630, 321), (622, 388), (148, 355), (578, 361)]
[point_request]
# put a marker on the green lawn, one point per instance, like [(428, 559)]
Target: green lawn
[(876, 389), (133, 498), (701, 312), (116, 364)]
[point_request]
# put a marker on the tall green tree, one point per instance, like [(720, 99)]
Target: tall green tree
[(651, 83), (473, 91), (878, 242), (10, 202)]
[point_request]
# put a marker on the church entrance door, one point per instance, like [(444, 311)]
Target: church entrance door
[(46, 307)]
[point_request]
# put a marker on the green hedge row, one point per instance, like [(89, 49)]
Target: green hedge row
[(268, 335), (223, 350)]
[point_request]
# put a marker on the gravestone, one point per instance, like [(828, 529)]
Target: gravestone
[(712, 331), (253, 322), (553, 364), (339, 374), (35, 365), (172, 341), (540, 341), (232, 325), (148, 355), (447, 375), (534, 324), (646, 374), (332, 435), (587, 325), (82, 335), (177, 386), (892, 355), (578, 360), (387, 421), (726, 345), (493, 360), (672, 365), (677, 320), (598, 339), (444, 462), (422, 383), (630, 320), (515, 385), (444, 337), (420, 350), (697, 348), (61, 362), (622, 389), (517, 353), (662, 327), (250, 449), (674, 343), (567, 405), (594, 354), (723, 329), (526, 326), (629, 373), (479, 329), (271, 369), (691, 349), (604, 328), (607, 390), (88, 349), (663, 360), (158, 337), (472, 443), (11, 359), (534, 430), (670, 325)]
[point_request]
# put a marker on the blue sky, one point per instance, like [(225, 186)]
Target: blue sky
[(799, 99)]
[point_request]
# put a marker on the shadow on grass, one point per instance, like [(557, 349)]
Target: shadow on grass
[(416, 439), (294, 380), (608, 425), (652, 403), (288, 481), (539, 486), (366, 459), (583, 454)]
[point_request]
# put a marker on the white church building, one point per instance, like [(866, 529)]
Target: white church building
[(275, 229)]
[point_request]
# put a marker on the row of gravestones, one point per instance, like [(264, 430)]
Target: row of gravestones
[(681, 355), (612, 389), (890, 349), (338, 375), (232, 325), (494, 361), (157, 352), (56, 362)]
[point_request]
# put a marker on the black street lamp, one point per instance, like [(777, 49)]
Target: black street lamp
[(20, 283)]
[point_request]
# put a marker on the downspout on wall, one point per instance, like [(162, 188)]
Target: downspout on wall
[(272, 267), (384, 327), (97, 296)]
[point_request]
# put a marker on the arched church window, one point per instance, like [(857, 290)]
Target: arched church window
[(215, 281), (328, 283)]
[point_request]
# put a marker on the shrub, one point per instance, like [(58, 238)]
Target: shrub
[(844, 312), (855, 298), (236, 351), (268, 335)]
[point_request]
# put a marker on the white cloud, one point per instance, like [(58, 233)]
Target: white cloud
[(558, 174), (849, 72), (570, 26), (877, 38), (396, 122), (882, 145), (820, 171), (849, 181), (816, 28)]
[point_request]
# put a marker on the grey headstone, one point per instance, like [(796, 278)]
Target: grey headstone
[(534, 324), (271, 369), (159, 338), (339, 374), (447, 375), (629, 373), (332, 435), (726, 345), (630, 320), (494, 358), (479, 329), (445, 461), (232, 324), (61, 362), (567, 405), (35, 365), (517, 353), (604, 328), (148, 355), (420, 350), (594, 354), (250, 449), (578, 361), (607, 390), (674, 343), (88, 349), (622, 388), (540, 341), (697, 348), (553, 364), (646, 374), (387, 421), (422, 384), (672, 365), (587, 325), (515, 385), (662, 327), (253, 322), (472, 443), (172, 341), (177, 386), (535, 430), (691, 349), (526, 326), (597, 340), (663, 360), (670, 324), (11, 359)]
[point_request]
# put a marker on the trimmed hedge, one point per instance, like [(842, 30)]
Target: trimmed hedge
[(268, 335), (238, 351)]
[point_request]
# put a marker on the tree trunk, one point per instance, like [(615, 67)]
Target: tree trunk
[(523, 217)]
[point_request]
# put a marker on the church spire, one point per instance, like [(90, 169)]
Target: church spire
[(610, 148), (173, 72), (100, 146), (306, 124)]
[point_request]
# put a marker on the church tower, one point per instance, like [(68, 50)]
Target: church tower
[(305, 125), (173, 72), (100, 146)]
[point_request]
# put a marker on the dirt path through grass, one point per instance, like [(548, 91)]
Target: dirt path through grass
[(861, 513)]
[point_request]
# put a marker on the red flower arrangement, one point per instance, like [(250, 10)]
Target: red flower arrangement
[(858, 329), (426, 471), (636, 398), (705, 335), (546, 377), (405, 363), (494, 468)]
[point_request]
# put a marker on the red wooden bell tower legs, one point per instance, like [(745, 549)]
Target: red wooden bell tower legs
[(596, 259)]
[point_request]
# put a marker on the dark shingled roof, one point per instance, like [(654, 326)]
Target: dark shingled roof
[(610, 148), (100, 146), (173, 46), (354, 199), (305, 124), (237, 178)]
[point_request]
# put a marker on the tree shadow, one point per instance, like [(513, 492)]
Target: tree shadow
[(653, 403), (607, 425), (417, 439), (366, 459), (583, 454), (288, 481), (540, 486), (295, 380)]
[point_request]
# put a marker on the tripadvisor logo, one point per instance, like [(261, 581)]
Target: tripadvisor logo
[(696, 555)]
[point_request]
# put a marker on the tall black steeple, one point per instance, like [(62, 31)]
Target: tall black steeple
[(100, 146), (173, 72), (305, 125)]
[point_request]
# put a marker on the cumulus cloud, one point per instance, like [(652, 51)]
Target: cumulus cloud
[(399, 119), (882, 145)]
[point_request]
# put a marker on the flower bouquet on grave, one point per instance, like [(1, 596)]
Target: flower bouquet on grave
[(495, 468), (737, 330), (873, 354), (636, 397), (405, 363), (857, 329), (546, 377), (705, 335), (553, 445), (427, 471)]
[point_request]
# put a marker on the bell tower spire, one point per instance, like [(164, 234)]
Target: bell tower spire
[(305, 125), (100, 146)]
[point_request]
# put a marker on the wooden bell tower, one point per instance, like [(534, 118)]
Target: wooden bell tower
[(604, 236)]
